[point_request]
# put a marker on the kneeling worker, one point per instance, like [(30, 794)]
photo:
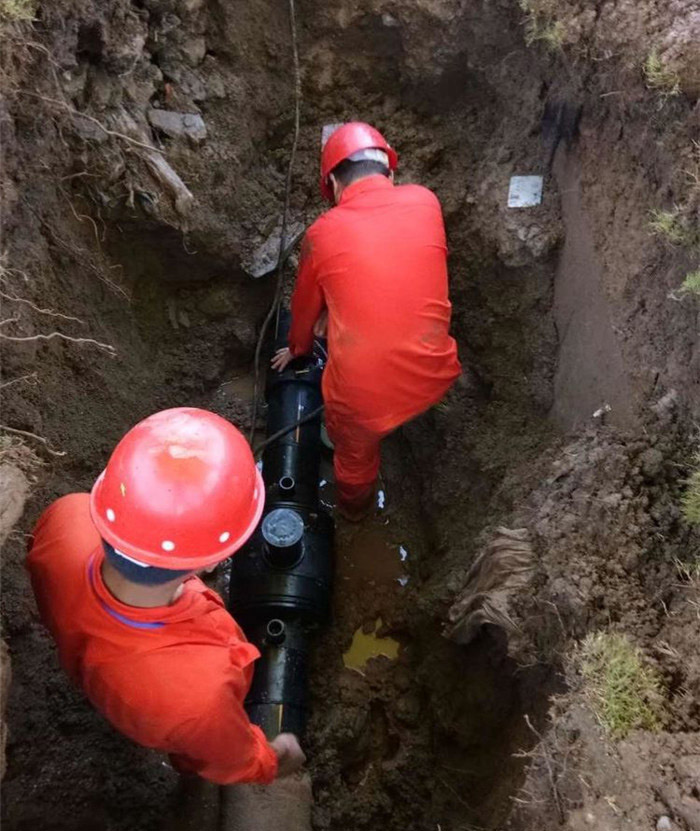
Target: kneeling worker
[(375, 266), (114, 574)]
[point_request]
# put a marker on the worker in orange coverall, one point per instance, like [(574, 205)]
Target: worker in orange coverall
[(114, 574), (375, 268)]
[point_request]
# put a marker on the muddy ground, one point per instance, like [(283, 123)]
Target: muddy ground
[(141, 240)]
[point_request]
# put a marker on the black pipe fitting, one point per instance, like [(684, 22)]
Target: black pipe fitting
[(281, 580)]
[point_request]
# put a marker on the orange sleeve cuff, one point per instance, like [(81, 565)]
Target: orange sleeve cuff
[(224, 747)]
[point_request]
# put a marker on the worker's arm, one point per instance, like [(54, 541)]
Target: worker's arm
[(308, 307), (222, 745), (307, 301)]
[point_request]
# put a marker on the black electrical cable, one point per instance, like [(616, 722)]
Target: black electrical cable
[(287, 429), (274, 308)]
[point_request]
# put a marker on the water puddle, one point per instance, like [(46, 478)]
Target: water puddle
[(370, 559), (241, 386), (368, 645)]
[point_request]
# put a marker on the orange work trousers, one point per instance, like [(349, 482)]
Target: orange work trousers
[(356, 457)]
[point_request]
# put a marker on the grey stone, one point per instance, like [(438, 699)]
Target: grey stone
[(178, 125), (263, 259), (141, 84), (124, 44), (215, 87), (188, 80), (192, 50), (666, 406)]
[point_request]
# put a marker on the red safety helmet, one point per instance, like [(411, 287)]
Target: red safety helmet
[(181, 491), (347, 140)]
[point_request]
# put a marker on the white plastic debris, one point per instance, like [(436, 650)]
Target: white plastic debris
[(322, 483), (327, 131), (402, 581), (525, 191), (601, 411), (403, 554), (663, 823), (380, 500)]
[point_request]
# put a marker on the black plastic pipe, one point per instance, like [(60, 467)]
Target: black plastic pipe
[(281, 580)]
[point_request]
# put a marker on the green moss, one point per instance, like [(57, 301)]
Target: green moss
[(659, 77), (15, 10), (691, 284), (690, 502), (625, 693), (671, 226)]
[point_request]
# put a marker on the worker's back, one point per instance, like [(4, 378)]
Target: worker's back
[(171, 677), (380, 259)]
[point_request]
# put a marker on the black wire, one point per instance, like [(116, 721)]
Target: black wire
[(274, 308), (288, 429)]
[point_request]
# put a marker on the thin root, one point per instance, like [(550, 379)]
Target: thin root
[(34, 436)]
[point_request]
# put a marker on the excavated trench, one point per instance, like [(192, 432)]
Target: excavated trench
[(425, 738), (423, 733), (430, 734), (422, 739)]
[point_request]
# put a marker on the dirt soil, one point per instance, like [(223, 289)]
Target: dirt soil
[(145, 147)]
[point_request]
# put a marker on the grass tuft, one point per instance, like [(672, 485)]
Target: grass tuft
[(12, 11), (688, 570), (690, 501), (659, 77), (670, 226), (541, 25), (625, 693), (691, 284)]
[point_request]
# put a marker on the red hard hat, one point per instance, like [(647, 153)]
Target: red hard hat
[(347, 140), (181, 491)]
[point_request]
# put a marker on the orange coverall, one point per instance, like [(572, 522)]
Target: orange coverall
[(173, 678), (378, 262)]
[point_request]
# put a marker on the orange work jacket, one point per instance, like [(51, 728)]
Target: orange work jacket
[(378, 262), (172, 678)]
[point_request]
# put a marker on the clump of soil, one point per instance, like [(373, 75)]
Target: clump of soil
[(145, 148)]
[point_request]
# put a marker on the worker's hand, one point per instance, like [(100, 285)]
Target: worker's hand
[(321, 325), (290, 756), (281, 359)]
